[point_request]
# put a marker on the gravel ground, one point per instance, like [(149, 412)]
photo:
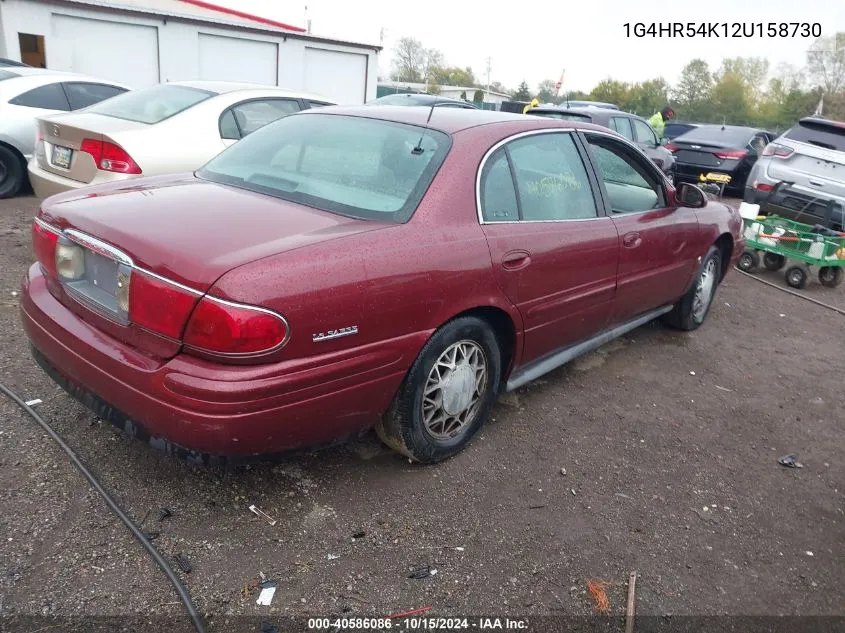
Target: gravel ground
[(658, 453)]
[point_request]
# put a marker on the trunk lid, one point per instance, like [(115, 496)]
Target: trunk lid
[(192, 231), (704, 154), (60, 150)]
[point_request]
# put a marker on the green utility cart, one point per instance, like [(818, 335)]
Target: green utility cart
[(802, 245)]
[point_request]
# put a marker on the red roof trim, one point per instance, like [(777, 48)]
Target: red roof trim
[(246, 16)]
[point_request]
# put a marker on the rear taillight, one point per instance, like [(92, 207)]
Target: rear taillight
[(733, 153), (39, 136), (223, 327), (159, 306), (671, 147), (777, 151), (761, 186), (44, 240), (109, 156)]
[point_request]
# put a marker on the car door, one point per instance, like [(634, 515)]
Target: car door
[(247, 116), (644, 135), (554, 252), (657, 243)]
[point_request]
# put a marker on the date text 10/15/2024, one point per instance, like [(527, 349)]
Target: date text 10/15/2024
[(417, 624), (722, 29)]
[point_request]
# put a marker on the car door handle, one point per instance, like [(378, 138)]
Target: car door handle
[(631, 240), (516, 260), (816, 183)]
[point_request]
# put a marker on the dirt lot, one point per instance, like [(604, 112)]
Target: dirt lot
[(671, 473)]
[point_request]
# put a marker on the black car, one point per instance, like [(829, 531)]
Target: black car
[(630, 126), (421, 99), (728, 150), (673, 129)]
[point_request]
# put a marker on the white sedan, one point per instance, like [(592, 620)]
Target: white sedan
[(168, 128)]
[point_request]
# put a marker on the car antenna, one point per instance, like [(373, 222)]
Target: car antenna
[(724, 121), (418, 149)]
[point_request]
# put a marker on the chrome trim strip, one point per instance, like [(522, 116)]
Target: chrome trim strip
[(98, 246), (489, 152), (555, 360), (170, 282), (47, 227)]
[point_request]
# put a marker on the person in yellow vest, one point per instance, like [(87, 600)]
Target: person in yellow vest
[(534, 103), (658, 120)]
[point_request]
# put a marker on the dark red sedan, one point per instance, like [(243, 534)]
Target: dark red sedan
[(349, 267)]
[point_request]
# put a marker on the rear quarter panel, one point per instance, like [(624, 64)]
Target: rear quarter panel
[(396, 284), (719, 220)]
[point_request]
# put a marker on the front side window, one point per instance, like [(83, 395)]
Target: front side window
[(49, 97), (358, 167), (152, 105), (630, 184)]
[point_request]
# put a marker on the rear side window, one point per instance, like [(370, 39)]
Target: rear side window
[(819, 134), (152, 105), (49, 97), (256, 114), (498, 196), (82, 95), (351, 166), (622, 124)]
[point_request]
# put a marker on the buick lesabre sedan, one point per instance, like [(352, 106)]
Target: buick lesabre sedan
[(344, 268)]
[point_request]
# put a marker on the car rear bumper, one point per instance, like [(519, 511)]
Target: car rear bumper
[(190, 406), (46, 183), (797, 204)]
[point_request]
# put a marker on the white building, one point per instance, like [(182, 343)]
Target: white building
[(144, 42)]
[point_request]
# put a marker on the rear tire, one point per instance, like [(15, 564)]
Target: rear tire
[(797, 276), (691, 311), (447, 394), (831, 276), (773, 261), (748, 262), (12, 173)]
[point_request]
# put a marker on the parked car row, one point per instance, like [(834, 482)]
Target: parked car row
[(64, 131), (27, 93), (343, 268)]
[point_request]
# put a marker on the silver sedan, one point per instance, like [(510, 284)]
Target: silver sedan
[(167, 128)]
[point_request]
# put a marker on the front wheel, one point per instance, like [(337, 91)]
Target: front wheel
[(448, 393), (689, 313)]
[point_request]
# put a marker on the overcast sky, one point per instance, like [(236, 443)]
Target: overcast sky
[(536, 40)]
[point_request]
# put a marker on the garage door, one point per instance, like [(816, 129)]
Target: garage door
[(234, 59), (126, 53), (340, 76)]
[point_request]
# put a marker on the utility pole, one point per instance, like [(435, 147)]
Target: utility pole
[(489, 68)]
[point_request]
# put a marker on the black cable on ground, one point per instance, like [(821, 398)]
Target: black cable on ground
[(792, 292), (136, 531)]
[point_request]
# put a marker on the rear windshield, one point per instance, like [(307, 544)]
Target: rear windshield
[(400, 99), (151, 105), (704, 135), (565, 116), (357, 167), (820, 134)]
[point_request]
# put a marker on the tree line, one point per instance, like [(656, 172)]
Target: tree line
[(741, 91)]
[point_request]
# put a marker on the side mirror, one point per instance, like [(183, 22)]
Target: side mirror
[(691, 196)]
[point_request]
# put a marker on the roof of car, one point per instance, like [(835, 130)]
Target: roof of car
[(223, 87), (59, 75), (421, 97), (448, 120)]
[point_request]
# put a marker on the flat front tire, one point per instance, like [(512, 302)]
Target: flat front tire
[(691, 311), (447, 394)]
